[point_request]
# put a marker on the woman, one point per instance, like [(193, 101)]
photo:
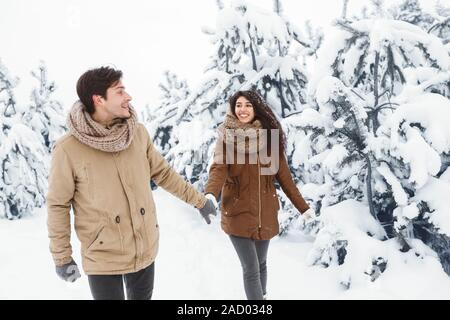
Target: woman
[(249, 200)]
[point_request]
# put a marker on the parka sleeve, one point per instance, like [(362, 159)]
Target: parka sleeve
[(60, 193), (218, 171), (286, 181)]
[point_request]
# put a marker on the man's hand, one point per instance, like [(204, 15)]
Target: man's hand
[(210, 207), (68, 272)]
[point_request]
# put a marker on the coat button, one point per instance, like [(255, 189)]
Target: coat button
[(118, 219), (101, 242), (142, 211)]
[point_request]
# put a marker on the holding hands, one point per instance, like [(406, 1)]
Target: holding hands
[(210, 208)]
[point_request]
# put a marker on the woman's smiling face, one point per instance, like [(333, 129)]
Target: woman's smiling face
[(244, 110)]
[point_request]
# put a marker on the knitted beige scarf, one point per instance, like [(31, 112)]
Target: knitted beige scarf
[(116, 138), (246, 133)]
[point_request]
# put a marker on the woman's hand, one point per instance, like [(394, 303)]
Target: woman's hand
[(210, 208), (309, 214), (211, 197)]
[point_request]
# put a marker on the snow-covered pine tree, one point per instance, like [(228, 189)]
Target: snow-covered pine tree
[(7, 99), (219, 4), (23, 173), (331, 145), (344, 9), (315, 39), (45, 114), (429, 78), (7, 109), (404, 174), (410, 11), (378, 8), (159, 118), (148, 119), (373, 54), (370, 57), (441, 26), (257, 46), (414, 157)]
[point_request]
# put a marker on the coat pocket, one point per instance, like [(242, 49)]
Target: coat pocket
[(106, 239), (272, 193), (150, 226), (95, 235), (273, 202), (85, 180), (233, 202)]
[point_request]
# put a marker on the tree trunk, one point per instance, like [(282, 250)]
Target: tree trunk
[(227, 59), (253, 57), (369, 188), (374, 114), (344, 10), (284, 104)]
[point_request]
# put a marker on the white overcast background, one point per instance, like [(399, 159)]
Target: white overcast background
[(142, 38)]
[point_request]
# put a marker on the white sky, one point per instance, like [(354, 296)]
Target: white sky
[(142, 38)]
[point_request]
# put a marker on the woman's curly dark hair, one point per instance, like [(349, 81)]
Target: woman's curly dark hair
[(263, 113)]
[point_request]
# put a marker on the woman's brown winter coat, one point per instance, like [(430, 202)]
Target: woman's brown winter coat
[(249, 202)]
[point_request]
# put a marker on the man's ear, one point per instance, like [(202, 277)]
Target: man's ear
[(97, 100)]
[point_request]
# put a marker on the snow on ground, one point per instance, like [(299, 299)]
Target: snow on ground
[(197, 261)]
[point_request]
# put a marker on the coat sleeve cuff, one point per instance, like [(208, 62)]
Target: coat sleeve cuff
[(200, 202), (62, 261)]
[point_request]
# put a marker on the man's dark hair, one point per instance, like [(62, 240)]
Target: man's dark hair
[(96, 82)]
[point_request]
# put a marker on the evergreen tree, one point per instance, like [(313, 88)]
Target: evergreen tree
[(173, 91), (364, 71), (45, 115), (410, 11), (7, 98), (23, 173), (441, 25)]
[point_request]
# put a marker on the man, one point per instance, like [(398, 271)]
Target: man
[(102, 170)]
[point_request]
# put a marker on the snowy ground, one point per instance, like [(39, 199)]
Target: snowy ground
[(197, 261)]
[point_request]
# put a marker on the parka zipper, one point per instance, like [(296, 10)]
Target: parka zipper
[(259, 195)]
